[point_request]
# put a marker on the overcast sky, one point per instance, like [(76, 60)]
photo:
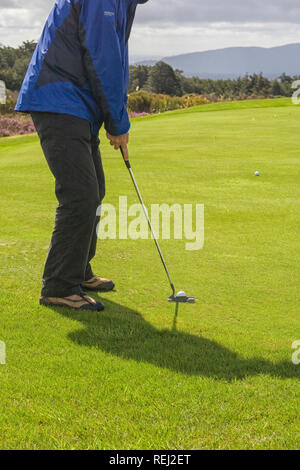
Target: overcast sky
[(171, 27)]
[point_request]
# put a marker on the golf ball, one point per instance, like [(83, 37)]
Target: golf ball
[(257, 173), (181, 293)]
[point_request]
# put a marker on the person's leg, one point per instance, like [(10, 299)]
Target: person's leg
[(92, 282), (66, 142), (96, 155)]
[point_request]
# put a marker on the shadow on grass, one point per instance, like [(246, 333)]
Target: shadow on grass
[(123, 332)]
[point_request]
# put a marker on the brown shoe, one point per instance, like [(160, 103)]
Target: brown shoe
[(76, 302), (98, 284)]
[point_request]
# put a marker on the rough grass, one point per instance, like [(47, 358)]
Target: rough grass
[(219, 376)]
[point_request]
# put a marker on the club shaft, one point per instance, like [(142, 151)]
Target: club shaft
[(150, 226)]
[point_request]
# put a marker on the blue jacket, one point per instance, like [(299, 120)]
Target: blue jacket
[(80, 65)]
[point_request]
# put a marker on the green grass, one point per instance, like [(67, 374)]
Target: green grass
[(221, 376)]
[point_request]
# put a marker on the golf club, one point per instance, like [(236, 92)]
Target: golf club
[(181, 297)]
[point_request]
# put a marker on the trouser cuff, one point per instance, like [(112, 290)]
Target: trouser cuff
[(59, 292)]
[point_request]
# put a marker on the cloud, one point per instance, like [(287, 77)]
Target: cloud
[(179, 12), (9, 4), (167, 42), (169, 27)]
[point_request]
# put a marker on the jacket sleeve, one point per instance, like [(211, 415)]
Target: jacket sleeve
[(103, 62)]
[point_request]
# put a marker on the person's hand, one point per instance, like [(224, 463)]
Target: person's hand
[(118, 141)]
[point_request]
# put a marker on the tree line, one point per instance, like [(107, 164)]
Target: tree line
[(14, 63), (160, 78)]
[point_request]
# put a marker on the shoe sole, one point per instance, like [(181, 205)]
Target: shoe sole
[(98, 308)]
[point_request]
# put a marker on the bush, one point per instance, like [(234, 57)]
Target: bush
[(143, 102), (16, 125), (8, 108), (139, 102)]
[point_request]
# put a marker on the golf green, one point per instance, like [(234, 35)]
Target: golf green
[(218, 376)]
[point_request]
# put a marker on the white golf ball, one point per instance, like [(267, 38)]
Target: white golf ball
[(181, 293), (257, 173)]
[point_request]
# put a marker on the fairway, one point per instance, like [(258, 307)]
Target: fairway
[(220, 375)]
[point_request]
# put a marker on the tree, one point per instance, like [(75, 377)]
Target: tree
[(28, 47), (163, 79), (276, 89), (14, 63), (138, 77)]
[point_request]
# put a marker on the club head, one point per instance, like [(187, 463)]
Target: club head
[(181, 299)]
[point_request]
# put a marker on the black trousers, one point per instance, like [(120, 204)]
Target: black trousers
[(73, 156)]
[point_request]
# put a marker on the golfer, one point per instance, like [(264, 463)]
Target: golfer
[(76, 82)]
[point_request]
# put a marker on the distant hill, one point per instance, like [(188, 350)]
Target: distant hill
[(233, 62)]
